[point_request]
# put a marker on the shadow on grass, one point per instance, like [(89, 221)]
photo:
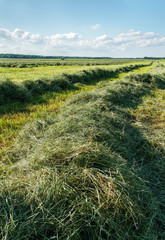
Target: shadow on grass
[(14, 96), (101, 121), (114, 126), (145, 158), (39, 99)]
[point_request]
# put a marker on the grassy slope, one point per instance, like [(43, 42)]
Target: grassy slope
[(15, 115), (95, 171)]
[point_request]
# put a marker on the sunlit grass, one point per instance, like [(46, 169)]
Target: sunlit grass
[(22, 74), (152, 115), (93, 171), (16, 115), (11, 123)]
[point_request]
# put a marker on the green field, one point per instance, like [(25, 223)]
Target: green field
[(16, 113), (21, 63), (35, 68), (82, 149), (21, 74)]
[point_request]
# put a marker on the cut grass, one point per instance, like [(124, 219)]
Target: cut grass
[(33, 73), (16, 115), (89, 172), (22, 74), (152, 114), (24, 91), (32, 63)]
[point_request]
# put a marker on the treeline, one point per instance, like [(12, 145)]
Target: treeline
[(24, 56), (154, 58), (21, 56)]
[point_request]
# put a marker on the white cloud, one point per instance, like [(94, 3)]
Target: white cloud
[(2, 45), (5, 34), (18, 34), (152, 42), (19, 41), (72, 36), (63, 39), (102, 38), (95, 27)]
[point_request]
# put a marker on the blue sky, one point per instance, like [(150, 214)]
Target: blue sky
[(112, 28)]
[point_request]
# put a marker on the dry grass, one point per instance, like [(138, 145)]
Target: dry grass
[(14, 115), (90, 172)]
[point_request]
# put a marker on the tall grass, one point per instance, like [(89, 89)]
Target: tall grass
[(86, 173)]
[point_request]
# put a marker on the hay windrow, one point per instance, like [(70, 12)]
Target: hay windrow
[(26, 90), (89, 172)]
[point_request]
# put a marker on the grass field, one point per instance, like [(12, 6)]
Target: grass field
[(84, 160), (28, 63), (37, 69), (15, 114)]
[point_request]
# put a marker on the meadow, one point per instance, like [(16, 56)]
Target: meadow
[(24, 63), (23, 100), (32, 69), (82, 151)]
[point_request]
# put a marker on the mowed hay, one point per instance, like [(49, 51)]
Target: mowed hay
[(26, 90), (82, 174)]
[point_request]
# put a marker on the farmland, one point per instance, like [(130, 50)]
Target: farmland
[(82, 149), (26, 69)]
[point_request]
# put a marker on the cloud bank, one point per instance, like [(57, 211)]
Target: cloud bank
[(19, 41)]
